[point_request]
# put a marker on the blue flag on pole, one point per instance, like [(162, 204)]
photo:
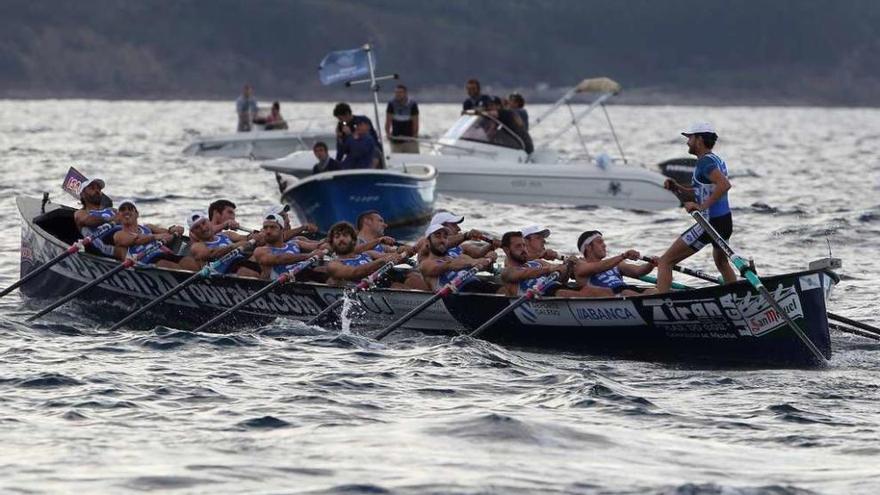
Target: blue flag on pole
[(344, 65)]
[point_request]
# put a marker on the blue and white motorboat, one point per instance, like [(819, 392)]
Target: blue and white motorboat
[(404, 196)]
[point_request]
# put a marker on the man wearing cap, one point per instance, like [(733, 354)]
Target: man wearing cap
[(535, 238), (709, 195), (522, 273), (92, 215), (135, 238), (602, 276), (208, 245), (278, 255), (439, 268), (350, 266), (290, 232), (455, 243)]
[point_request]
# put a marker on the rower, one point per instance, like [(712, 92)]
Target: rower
[(279, 255), (535, 237), (456, 244), (135, 238), (289, 232), (371, 237), (522, 273), (92, 215), (600, 276), (709, 192), (349, 266), (209, 246), (440, 267), (221, 214)]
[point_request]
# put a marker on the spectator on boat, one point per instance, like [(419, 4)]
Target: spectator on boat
[(511, 120), (325, 163), (210, 245), (275, 121), (439, 267), (246, 107), (359, 149), (707, 194), (456, 242), (280, 255), (476, 100), (222, 215), (600, 276), (402, 120), (517, 104), (350, 266), (521, 272), (135, 238), (93, 214), (346, 125)]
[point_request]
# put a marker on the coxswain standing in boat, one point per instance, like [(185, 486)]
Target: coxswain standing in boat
[(208, 245), (92, 215), (535, 237), (439, 267), (598, 275), (522, 273), (135, 238), (350, 266), (371, 237), (279, 255), (707, 194)]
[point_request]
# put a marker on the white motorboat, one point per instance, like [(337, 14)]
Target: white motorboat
[(479, 157), (258, 144)]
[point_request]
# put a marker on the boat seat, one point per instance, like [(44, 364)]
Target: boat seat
[(59, 222)]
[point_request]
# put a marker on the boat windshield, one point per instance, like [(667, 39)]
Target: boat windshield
[(483, 129)]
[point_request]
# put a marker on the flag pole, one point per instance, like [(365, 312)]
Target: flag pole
[(374, 87)]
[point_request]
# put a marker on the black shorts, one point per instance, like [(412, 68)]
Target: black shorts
[(697, 238), (620, 288)]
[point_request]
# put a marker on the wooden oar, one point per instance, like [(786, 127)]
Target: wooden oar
[(530, 294), (854, 331), (444, 291), (367, 282), (101, 232), (128, 263), (205, 272), (282, 279), (743, 266)]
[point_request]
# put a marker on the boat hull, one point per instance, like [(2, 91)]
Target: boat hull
[(719, 325), (257, 145), (405, 200)]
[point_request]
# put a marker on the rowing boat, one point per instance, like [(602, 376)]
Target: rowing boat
[(721, 325)]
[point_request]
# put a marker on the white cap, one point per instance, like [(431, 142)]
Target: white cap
[(434, 227), (274, 217), (195, 217), (700, 128), (535, 229), (276, 210), (88, 182), (127, 202), (445, 217)]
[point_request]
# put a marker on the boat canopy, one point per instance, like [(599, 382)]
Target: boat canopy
[(481, 128)]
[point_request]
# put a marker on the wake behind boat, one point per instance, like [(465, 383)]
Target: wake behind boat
[(728, 324)]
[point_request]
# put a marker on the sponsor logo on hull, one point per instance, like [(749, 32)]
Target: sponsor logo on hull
[(621, 313)]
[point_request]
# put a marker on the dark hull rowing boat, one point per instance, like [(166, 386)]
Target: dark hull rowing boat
[(723, 325)]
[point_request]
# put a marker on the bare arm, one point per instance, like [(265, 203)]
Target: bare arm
[(415, 125), (587, 268), (204, 254), (636, 271), (433, 268), (518, 274), (340, 271)]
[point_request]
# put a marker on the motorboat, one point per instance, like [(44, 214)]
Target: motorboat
[(480, 157), (258, 143)]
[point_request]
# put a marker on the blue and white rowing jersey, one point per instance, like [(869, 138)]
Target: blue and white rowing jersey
[(454, 252), (610, 279), (448, 275), (106, 214), (380, 248), (361, 259), (703, 186), (221, 240), (137, 249), (290, 247), (525, 285)]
